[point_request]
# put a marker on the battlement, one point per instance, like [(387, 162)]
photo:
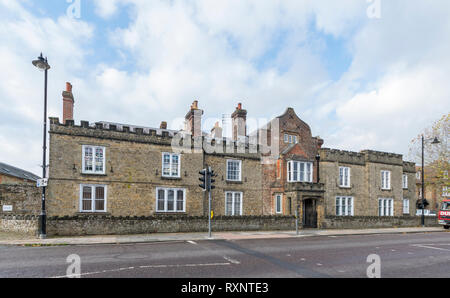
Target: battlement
[(349, 157), (409, 167), (383, 157), (361, 158), (120, 132)]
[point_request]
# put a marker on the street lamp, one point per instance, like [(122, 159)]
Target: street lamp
[(42, 64), (435, 142)]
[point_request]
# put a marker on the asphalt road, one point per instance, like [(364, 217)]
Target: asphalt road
[(402, 255)]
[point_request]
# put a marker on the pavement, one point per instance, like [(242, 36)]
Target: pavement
[(17, 239)]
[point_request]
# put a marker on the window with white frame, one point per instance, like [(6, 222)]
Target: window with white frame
[(300, 171), (344, 177), (93, 159), (405, 206), (279, 203), (290, 139), (170, 200), (234, 170), (171, 165), (92, 198), (405, 181), (385, 207), (445, 191), (344, 206), (418, 175), (385, 180), (233, 203)]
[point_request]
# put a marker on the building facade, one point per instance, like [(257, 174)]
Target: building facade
[(116, 170), (437, 187)]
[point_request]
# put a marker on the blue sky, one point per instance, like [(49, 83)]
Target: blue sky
[(362, 81)]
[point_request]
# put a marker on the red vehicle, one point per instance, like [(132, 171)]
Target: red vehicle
[(444, 214)]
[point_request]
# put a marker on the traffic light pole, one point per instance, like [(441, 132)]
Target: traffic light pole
[(210, 215)]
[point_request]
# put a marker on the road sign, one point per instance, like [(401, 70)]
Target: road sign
[(7, 208), (42, 182)]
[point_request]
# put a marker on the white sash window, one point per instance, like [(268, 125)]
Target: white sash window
[(93, 159)]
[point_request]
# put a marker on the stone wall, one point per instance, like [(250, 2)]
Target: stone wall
[(19, 224), (95, 225), (375, 222), (25, 199)]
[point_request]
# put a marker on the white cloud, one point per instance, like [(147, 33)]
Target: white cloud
[(106, 8)]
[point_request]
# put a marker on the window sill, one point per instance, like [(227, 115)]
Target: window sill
[(170, 178), (94, 174), (345, 187), (234, 182)]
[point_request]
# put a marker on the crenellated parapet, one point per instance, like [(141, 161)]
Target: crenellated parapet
[(362, 158), (176, 139), (383, 157), (342, 156), (100, 130), (409, 167)]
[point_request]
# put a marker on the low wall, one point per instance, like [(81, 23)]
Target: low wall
[(103, 225), (374, 222), (19, 224), (95, 225)]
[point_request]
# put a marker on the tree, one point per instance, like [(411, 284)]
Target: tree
[(437, 156)]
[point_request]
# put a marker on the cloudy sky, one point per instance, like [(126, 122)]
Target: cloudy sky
[(365, 74)]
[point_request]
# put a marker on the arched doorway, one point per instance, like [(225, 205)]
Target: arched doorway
[(310, 213)]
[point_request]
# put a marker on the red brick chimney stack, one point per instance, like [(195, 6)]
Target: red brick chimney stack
[(68, 103)]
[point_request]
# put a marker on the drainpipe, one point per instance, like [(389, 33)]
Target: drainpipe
[(318, 168)]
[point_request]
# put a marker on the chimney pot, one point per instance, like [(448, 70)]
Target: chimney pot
[(163, 125), (68, 87), (240, 106)]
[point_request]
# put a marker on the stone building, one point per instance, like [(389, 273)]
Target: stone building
[(117, 170)]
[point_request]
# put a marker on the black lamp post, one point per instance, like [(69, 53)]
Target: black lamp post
[(435, 142), (42, 64)]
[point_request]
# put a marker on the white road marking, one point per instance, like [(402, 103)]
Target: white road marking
[(192, 242), (431, 247), (318, 264), (146, 267), (232, 261)]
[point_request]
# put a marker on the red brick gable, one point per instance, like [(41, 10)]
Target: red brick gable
[(298, 151)]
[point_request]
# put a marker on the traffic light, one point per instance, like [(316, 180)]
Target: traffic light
[(211, 180), (204, 179)]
